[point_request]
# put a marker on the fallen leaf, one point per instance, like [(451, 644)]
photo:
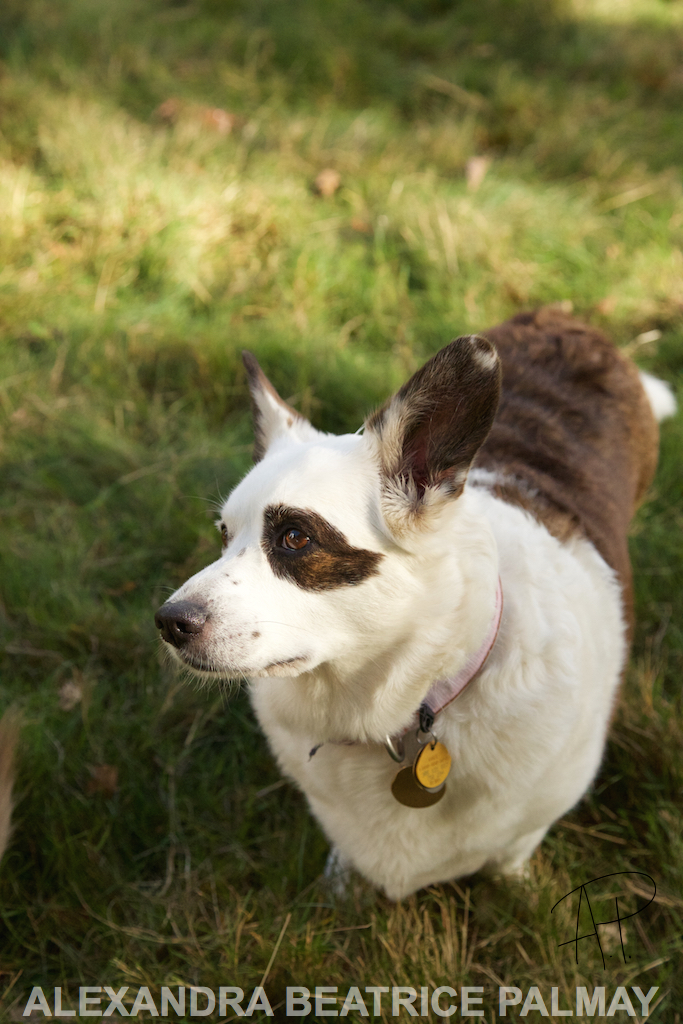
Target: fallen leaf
[(124, 588), (104, 781), (475, 171), (327, 182), (70, 694), (169, 110), (217, 119), (172, 110), (21, 416), (607, 305)]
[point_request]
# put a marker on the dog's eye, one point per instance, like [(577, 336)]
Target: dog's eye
[(224, 535), (294, 540)]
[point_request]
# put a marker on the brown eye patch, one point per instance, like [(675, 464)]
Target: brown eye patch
[(301, 546)]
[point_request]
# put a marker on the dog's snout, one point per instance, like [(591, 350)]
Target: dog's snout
[(180, 621)]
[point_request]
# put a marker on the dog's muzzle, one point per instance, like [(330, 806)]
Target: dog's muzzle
[(180, 622)]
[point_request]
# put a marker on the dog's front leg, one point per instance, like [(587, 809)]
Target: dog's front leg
[(513, 862), (337, 872)]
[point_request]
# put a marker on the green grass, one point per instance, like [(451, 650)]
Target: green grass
[(138, 258)]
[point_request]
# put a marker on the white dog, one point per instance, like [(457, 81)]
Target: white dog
[(450, 587)]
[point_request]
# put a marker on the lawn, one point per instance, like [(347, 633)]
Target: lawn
[(159, 213)]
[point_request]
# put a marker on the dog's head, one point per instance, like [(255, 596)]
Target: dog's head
[(329, 541)]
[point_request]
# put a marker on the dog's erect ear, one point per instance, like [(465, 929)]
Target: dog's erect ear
[(273, 418), (428, 434)]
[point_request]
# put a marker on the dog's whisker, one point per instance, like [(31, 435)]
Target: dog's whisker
[(285, 625)]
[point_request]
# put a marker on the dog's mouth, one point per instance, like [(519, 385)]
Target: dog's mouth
[(288, 667), (206, 668), (186, 626)]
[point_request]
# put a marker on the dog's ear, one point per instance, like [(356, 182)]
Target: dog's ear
[(427, 435), (272, 416)]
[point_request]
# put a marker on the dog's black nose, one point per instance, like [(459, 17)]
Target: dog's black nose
[(180, 621)]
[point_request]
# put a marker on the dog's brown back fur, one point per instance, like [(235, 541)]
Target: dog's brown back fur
[(574, 435)]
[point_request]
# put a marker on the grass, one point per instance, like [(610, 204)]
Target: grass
[(154, 843)]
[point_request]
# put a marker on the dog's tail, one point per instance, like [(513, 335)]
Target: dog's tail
[(9, 732), (660, 396)]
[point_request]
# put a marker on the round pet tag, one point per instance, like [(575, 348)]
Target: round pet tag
[(432, 766), (407, 791)]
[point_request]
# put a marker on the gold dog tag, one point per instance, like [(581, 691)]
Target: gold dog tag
[(410, 793), (432, 765)]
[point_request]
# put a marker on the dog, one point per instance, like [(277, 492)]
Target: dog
[(434, 613)]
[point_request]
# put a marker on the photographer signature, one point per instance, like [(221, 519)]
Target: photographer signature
[(583, 895)]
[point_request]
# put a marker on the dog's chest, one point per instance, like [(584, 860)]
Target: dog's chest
[(525, 738)]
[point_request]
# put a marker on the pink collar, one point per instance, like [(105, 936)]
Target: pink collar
[(444, 691)]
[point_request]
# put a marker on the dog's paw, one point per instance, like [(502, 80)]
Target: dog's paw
[(514, 863), (515, 871), (337, 873)]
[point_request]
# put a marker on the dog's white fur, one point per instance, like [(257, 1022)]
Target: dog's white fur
[(526, 740), (660, 396), (354, 663)]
